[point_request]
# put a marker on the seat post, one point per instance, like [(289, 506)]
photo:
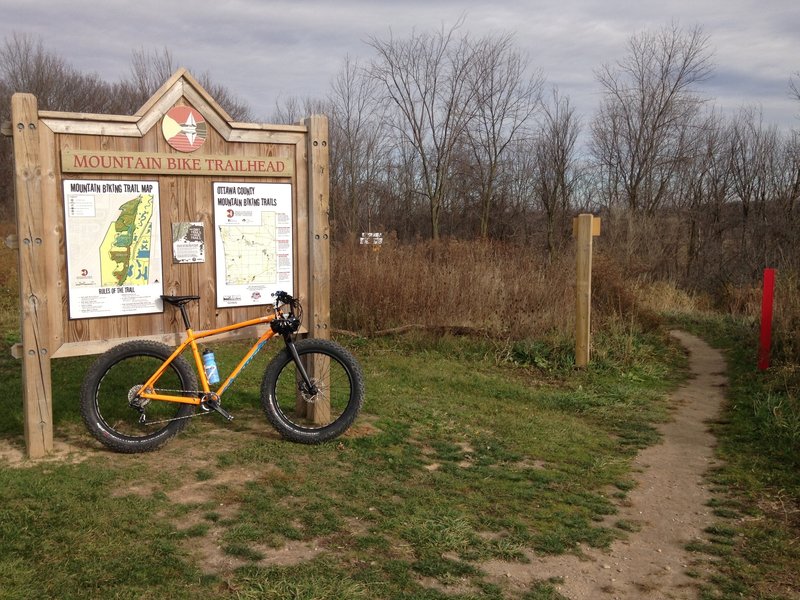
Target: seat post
[(185, 315), (181, 302)]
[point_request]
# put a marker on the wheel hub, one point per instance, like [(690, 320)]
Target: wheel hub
[(310, 393)]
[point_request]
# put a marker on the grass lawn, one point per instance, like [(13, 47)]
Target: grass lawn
[(468, 453)]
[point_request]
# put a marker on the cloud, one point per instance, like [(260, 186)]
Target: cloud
[(263, 51)]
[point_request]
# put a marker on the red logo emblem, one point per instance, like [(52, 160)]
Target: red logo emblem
[(184, 128)]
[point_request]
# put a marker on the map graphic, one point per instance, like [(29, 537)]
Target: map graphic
[(253, 242), (125, 250), (251, 252), (113, 242)]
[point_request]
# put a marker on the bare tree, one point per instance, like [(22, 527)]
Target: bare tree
[(520, 188), (505, 99), (150, 69), (701, 194), (783, 234), (27, 66), (793, 149), (641, 130), (792, 169), (288, 111), (556, 166), (358, 147), (753, 147), (291, 110), (425, 78), (237, 108)]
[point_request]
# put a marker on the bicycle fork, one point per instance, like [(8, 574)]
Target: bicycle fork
[(309, 387)]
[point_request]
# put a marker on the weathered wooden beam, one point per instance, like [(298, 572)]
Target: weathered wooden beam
[(585, 227), (319, 247), (36, 380)]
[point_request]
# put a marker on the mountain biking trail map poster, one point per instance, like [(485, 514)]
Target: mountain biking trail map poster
[(113, 241), (253, 241)]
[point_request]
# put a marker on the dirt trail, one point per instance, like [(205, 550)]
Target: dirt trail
[(668, 504)]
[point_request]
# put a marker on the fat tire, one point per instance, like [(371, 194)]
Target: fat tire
[(344, 367), (105, 431)]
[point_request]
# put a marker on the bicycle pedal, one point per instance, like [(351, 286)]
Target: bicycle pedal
[(214, 405)]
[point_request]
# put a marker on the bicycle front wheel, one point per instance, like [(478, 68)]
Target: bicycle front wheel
[(325, 410), (111, 408)]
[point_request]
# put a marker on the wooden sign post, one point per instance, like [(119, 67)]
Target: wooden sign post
[(31, 235), (584, 228)]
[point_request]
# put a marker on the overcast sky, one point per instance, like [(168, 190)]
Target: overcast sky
[(263, 51)]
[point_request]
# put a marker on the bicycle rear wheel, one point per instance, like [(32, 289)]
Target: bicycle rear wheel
[(111, 409), (324, 412)]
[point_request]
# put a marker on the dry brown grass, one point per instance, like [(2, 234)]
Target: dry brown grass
[(786, 325), (666, 296), (505, 290), (498, 288)]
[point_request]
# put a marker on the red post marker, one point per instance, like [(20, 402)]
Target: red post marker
[(766, 319)]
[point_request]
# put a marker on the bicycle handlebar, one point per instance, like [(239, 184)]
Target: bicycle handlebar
[(295, 308), (287, 324), (284, 298)]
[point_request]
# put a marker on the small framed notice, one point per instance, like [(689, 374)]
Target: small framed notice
[(188, 242)]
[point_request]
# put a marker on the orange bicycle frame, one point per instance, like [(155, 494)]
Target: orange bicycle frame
[(148, 388)]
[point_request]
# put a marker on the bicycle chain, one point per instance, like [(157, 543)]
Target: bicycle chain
[(191, 416)]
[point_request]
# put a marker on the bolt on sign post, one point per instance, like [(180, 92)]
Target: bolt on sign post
[(114, 211), (584, 228), (767, 301)]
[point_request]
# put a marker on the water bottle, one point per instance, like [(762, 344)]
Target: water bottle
[(210, 366)]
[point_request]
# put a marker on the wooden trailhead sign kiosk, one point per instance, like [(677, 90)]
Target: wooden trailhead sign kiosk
[(114, 211)]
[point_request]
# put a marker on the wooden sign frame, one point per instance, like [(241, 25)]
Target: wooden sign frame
[(42, 140)]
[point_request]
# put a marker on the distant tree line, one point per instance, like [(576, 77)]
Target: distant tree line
[(445, 134)]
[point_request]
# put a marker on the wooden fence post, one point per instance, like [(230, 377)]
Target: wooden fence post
[(36, 378), (584, 227)]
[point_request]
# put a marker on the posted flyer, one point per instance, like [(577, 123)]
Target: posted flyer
[(253, 241), (113, 243)]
